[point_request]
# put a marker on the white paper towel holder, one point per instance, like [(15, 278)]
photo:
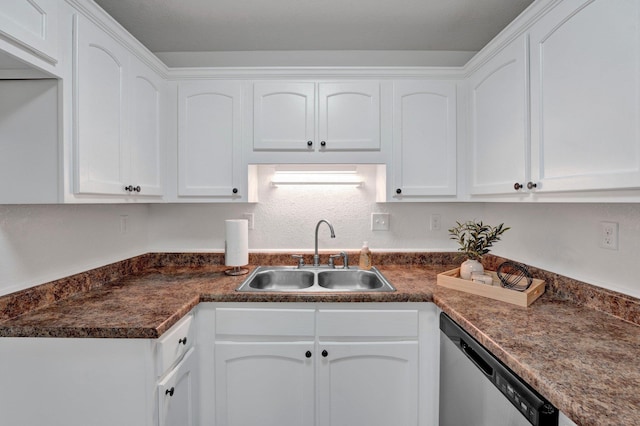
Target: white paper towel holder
[(236, 253)]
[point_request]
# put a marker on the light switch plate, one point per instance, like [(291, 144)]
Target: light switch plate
[(249, 218), (379, 221)]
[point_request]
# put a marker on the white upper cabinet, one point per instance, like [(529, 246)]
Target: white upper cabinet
[(209, 140), (145, 120), (498, 154), (284, 116), (117, 118), (424, 139), (33, 24), (585, 95), (100, 111), (314, 122), (349, 116)]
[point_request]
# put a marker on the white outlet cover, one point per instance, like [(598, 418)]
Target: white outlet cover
[(609, 235), (379, 221)]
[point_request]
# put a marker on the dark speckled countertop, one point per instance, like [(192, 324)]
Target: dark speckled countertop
[(572, 349)]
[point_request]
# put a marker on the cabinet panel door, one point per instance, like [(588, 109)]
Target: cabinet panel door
[(499, 132), (283, 116), (99, 112), (209, 138), (145, 144), (32, 23), (349, 116), (424, 138), (261, 384), (585, 96), (177, 394), (374, 384)]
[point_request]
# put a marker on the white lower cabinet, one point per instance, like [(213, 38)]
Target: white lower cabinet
[(343, 364), (100, 382), (368, 383), (177, 394), (264, 383)]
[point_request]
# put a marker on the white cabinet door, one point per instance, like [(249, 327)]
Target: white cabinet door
[(99, 111), (283, 116), (373, 384), (145, 146), (424, 139), (32, 23), (349, 116), (209, 139), (498, 153), (585, 96), (264, 384), (177, 394)]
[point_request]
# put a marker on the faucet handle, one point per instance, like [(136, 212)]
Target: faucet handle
[(300, 259), (331, 261), (345, 259)]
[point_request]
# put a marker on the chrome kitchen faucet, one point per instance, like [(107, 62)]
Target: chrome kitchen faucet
[(316, 257)]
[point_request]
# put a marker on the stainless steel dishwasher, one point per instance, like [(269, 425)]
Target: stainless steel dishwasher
[(476, 389)]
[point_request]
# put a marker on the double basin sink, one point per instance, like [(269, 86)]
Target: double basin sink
[(315, 279)]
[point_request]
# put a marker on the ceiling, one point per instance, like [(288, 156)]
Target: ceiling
[(261, 25)]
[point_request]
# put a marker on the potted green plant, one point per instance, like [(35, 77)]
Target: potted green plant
[(475, 240)]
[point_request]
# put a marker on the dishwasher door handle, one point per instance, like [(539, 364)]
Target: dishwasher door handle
[(476, 358)]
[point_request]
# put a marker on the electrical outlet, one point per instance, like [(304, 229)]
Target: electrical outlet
[(379, 221), (609, 235), (435, 222), (249, 218)]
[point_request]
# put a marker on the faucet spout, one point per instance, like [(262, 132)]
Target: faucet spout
[(316, 257)]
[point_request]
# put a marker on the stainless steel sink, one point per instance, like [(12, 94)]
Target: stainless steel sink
[(282, 280), (314, 279), (350, 280)]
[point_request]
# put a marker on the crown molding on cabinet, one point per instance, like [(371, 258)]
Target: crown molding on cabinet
[(288, 73), (106, 22), (517, 27)]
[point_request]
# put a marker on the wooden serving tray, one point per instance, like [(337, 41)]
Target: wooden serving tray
[(451, 279)]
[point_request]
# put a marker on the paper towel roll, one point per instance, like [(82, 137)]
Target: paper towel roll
[(236, 246)]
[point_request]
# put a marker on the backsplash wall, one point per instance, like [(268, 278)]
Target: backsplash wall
[(286, 216), (44, 243), (41, 243), (564, 238)]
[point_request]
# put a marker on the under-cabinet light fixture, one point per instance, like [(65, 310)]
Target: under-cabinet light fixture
[(317, 176)]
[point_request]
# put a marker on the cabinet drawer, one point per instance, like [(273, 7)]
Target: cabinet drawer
[(265, 322), (174, 343), (365, 323)]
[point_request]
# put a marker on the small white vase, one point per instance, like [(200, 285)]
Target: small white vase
[(469, 266)]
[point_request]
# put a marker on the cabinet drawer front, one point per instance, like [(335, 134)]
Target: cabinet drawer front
[(174, 343), (265, 322), (363, 323)]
